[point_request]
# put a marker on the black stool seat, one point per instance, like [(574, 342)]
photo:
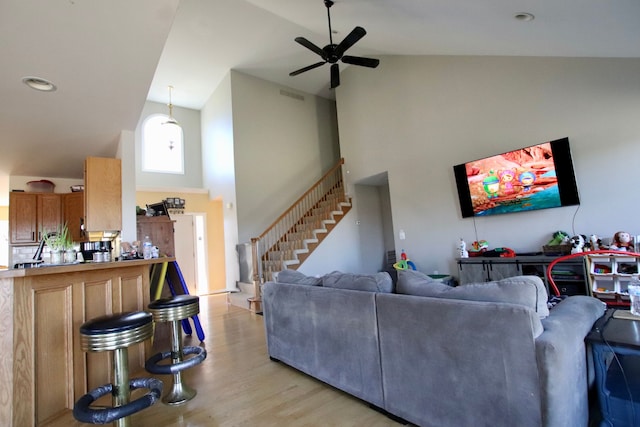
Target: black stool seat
[(116, 331), (175, 308), (176, 301), (116, 323)]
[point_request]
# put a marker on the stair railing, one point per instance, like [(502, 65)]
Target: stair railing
[(331, 184)]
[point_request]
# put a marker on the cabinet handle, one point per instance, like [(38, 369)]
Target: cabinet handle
[(33, 235)]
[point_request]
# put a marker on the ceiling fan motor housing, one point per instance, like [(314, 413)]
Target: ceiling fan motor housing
[(332, 53)]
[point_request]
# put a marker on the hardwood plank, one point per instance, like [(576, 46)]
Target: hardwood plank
[(238, 385)]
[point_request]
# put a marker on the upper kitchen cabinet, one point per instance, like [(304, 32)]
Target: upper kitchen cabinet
[(103, 194), (73, 212), (33, 214)]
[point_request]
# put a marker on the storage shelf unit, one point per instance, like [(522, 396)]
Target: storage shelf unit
[(570, 276), (610, 275)]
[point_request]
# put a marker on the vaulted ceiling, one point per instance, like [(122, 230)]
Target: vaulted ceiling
[(107, 57)]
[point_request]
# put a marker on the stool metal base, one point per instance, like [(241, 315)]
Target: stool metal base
[(179, 394), (174, 310)]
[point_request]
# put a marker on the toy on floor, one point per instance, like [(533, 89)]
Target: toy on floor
[(462, 249), (622, 242), (404, 263)]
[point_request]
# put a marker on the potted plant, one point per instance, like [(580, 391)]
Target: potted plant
[(58, 242)]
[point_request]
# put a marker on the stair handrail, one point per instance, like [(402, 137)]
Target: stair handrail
[(298, 209)]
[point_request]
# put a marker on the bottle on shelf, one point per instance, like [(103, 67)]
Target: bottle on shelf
[(146, 247)]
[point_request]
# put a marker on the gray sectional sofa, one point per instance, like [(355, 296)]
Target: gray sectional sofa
[(488, 354)]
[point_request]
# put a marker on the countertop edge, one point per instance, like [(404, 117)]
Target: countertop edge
[(72, 268)]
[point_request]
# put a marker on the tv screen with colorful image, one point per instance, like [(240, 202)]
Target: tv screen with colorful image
[(537, 177)]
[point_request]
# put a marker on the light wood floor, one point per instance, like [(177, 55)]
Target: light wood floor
[(238, 385)]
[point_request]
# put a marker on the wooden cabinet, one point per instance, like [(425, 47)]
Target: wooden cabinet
[(160, 231), (569, 276), (33, 214), (103, 194), (73, 214), (43, 368)]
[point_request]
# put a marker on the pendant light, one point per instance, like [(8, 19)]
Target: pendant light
[(173, 127)]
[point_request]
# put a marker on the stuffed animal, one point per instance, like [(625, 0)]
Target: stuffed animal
[(462, 249), (577, 243), (559, 237), (622, 242), (595, 243)]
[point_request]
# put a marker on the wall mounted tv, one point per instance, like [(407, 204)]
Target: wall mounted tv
[(537, 177)]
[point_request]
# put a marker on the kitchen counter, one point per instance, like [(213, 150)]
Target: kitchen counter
[(42, 366), (46, 269)]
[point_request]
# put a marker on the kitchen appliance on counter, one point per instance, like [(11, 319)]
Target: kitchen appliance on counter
[(96, 251), (28, 264)]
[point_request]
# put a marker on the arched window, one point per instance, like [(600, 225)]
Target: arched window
[(162, 145)]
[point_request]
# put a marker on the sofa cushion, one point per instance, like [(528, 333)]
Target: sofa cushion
[(378, 282), (413, 282), (520, 290), (297, 278)]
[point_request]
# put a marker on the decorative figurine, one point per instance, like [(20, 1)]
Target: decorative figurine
[(462, 249)]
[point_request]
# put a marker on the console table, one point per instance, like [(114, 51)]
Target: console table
[(615, 344), (570, 276)]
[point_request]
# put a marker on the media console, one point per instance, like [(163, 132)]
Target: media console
[(570, 276)]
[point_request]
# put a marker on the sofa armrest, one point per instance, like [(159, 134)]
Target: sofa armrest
[(562, 361)]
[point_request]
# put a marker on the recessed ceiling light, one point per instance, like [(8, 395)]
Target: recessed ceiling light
[(524, 16), (38, 83)]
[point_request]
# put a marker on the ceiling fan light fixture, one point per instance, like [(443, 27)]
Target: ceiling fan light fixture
[(38, 83), (333, 53), (171, 120)]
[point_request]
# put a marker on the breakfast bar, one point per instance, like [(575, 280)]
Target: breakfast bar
[(43, 369)]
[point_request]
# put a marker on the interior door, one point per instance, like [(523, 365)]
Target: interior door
[(186, 251)]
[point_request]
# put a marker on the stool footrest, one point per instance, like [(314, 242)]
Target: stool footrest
[(152, 363), (84, 413)]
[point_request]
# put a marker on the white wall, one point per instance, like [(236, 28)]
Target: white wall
[(283, 145), (189, 120), (218, 169), (416, 117), (126, 154)]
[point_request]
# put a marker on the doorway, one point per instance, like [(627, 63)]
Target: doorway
[(191, 250)]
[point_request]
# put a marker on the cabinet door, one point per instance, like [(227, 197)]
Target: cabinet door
[(23, 217), (103, 194), (502, 270), (49, 213), (73, 212), (160, 231), (472, 272)]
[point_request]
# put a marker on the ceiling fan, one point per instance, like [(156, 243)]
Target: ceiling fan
[(332, 53)]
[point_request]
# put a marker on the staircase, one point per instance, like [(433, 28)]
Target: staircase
[(298, 231)]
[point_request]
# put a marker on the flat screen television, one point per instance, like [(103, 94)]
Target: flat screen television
[(537, 177)]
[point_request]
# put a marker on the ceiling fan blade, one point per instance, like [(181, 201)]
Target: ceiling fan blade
[(335, 76), (306, 43), (307, 68), (359, 60), (356, 34)]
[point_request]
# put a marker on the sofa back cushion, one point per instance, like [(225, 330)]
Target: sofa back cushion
[(413, 282), (378, 282), (297, 278), (522, 290)]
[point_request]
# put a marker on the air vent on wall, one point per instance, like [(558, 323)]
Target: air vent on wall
[(291, 95)]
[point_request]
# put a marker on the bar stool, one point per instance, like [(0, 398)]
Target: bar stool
[(116, 333), (174, 310)]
